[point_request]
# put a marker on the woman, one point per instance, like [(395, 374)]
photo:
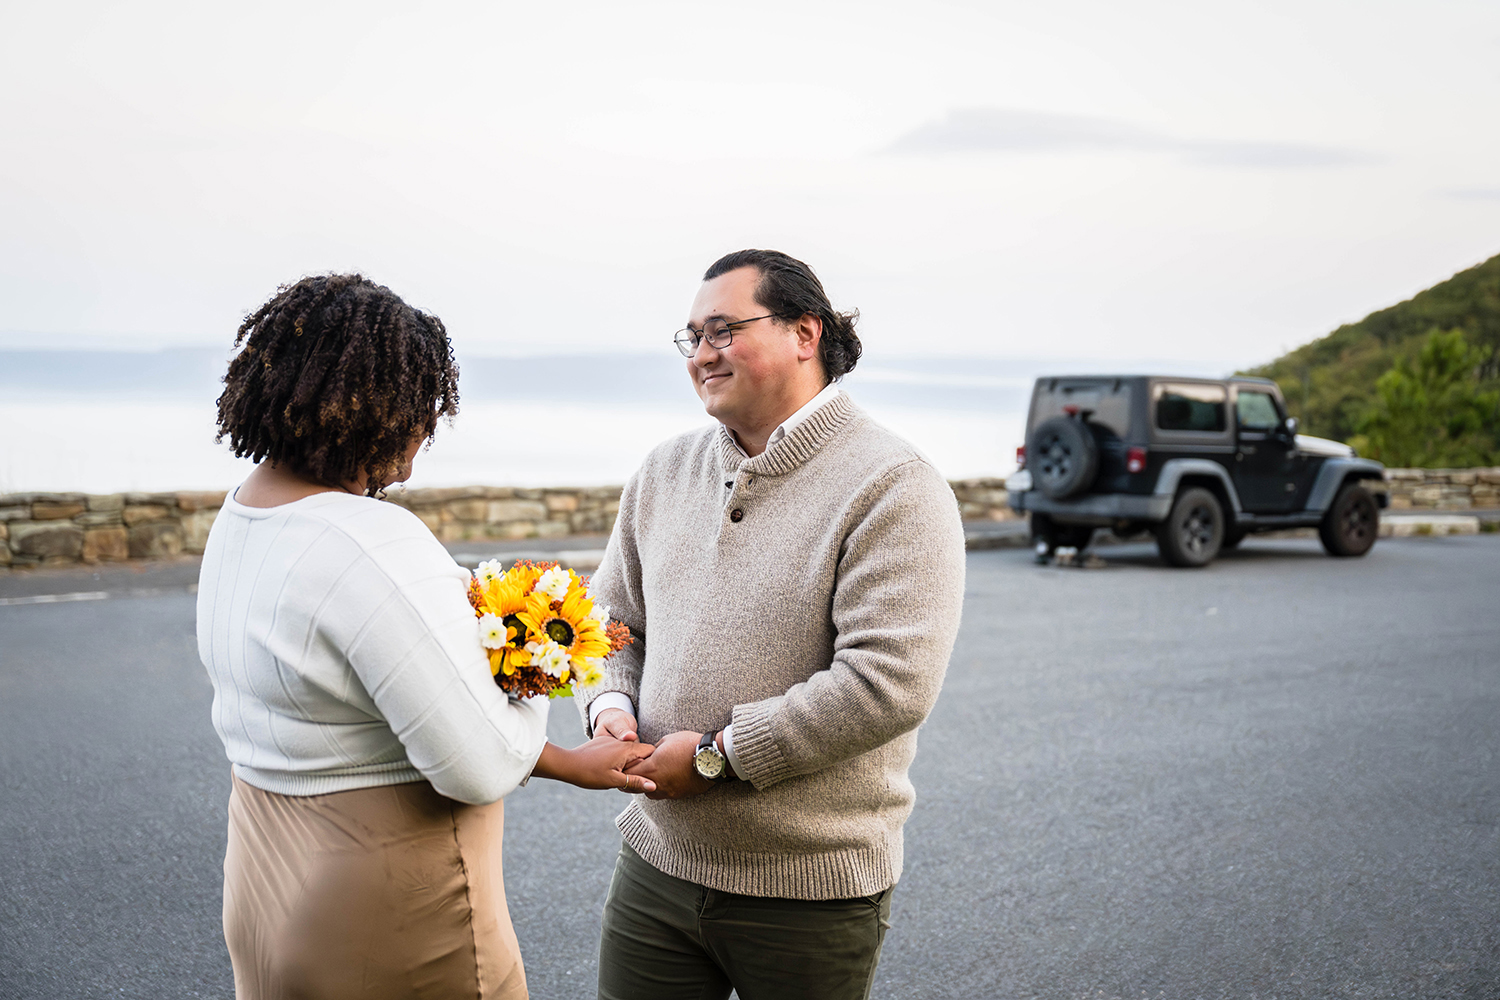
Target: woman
[(369, 745)]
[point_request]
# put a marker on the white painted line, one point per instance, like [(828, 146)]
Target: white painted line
[(91, 595), (98, 595)]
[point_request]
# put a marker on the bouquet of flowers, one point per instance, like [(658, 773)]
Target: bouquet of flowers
[(541, 628)]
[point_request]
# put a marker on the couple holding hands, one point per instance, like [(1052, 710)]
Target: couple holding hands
[(792, 578)]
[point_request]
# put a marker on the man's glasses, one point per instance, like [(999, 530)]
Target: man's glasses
[(719, 334)]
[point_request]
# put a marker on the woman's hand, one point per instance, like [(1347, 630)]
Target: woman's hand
[(599, 763), (670, 770)]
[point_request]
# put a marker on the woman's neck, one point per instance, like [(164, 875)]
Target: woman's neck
[(271, 485)]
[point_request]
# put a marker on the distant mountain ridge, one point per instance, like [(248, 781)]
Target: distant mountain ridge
[(1329, 384)]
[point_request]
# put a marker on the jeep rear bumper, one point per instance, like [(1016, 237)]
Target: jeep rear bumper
[(1099, 510)]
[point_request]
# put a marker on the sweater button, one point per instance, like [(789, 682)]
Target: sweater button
[(736, 515)]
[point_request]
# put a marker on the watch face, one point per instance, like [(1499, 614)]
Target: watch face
[(709, 762)]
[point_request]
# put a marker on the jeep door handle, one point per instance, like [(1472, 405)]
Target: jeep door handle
[(1248, 449)]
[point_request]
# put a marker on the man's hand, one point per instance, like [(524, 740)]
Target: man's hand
[(671, 767), (599, 763), (616, 723)]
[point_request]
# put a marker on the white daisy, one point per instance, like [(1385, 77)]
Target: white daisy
[(491, 631), (588, 671), (488, 572), (554, 583), (549, 656)]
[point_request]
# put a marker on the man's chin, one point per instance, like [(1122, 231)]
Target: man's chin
[(713, 403)]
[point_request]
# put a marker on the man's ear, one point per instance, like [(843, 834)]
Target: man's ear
[(809, 336)]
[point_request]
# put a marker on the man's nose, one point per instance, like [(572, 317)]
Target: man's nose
[(705, 354)]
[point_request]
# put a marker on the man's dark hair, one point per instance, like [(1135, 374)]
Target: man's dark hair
[(336, 378), (789, 289)]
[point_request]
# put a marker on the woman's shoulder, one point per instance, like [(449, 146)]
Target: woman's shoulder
[(378, 526), (382, 532)]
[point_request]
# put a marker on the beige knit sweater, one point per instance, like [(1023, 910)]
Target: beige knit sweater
[(814, 602)]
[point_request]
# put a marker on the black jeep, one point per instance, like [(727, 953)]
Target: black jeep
[(1201, 463)]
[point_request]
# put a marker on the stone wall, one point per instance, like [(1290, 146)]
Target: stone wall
[(52, 529), (44, 529), (982, 500), (1443, 489), (500, 512)]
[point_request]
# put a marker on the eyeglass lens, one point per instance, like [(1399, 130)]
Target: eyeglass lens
[(715, 331)]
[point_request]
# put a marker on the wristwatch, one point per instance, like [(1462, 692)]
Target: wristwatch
[(708, 761)]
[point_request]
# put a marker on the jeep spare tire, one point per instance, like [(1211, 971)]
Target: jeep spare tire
[(1063, 457)]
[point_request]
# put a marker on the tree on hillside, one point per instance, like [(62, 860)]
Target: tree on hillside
[(1329, 384), (1434, 413)]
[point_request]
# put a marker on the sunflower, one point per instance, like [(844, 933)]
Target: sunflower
[(504, 596), (568, 622)]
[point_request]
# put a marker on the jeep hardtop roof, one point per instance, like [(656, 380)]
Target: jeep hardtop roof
[(1256, 379)]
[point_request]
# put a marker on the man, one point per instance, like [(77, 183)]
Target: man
[(793, 578)]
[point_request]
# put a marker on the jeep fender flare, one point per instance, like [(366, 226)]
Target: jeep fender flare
[(1175, 469), (1332, 475)]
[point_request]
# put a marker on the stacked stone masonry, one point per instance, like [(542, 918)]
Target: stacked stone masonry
[(1443, 489), (51, 529)]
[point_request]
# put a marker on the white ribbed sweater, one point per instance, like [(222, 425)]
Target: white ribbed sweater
[(344, 654)]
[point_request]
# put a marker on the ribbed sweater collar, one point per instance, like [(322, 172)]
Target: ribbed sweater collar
[(797, 447)]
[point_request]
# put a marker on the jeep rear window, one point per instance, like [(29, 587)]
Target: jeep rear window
[(1106, 403), (1190, 408)]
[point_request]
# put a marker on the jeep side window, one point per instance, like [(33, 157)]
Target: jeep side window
[(1256, 411), (1190, 408)]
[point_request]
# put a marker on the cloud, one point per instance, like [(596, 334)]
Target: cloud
[(1473, 194), (1004, 130)]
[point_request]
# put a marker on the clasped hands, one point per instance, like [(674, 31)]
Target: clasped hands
[(668, 768)]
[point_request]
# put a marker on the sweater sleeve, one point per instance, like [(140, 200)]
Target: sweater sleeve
[(896, 608), (415, 648), (617, 582)]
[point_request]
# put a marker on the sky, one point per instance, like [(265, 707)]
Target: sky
[(1082, 181)]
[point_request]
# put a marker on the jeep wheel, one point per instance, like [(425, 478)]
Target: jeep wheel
[(1350, 526), (1193, 531), (1063, 457)]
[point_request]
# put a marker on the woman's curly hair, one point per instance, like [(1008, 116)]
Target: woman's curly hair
[(336, 378)]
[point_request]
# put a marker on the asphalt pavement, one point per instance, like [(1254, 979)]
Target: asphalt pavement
[(1276, 777)]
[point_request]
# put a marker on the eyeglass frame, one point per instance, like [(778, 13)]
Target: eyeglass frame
[(699, 336)]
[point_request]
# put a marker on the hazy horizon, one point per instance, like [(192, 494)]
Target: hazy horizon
[(101, 422)]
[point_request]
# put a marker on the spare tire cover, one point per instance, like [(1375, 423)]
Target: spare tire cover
[(1063, 457)]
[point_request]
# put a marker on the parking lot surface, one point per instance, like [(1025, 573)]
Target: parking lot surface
[(1275, 777)]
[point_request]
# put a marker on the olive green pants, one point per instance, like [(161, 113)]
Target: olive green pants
[(668, 939)]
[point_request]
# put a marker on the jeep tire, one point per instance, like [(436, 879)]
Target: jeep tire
[(1193, 531), (1063, 457), (1351, 524)]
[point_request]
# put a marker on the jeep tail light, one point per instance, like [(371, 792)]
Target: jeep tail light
[(1021, 457), (1135, 460)]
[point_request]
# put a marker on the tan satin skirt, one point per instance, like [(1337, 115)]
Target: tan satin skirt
[(380, 892)]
